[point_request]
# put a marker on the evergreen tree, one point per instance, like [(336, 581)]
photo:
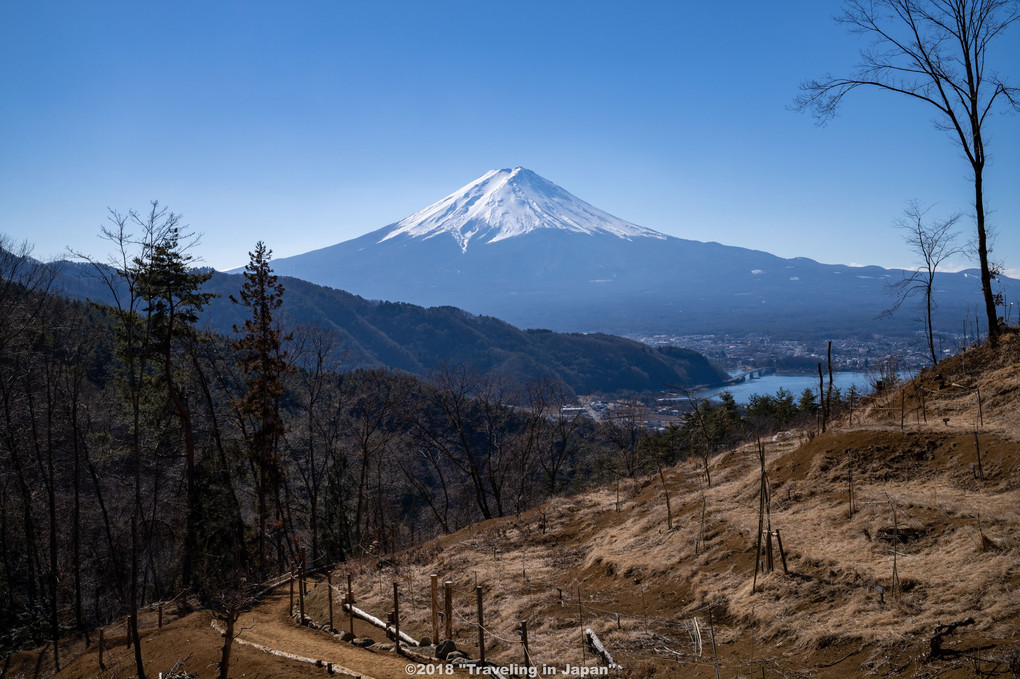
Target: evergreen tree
[(264, 362), (171, 290), (807, 404)]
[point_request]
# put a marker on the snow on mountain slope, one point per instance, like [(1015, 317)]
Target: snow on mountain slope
[(506, 203)]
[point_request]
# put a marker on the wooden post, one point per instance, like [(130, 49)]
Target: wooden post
[(828, 394), (448, 607), (782, 554), (350, 603), (769, 562), (159, 617), (396, 617), (524, 642), (981, 412), (711, 629), (977, 449), (329, 593), (821, 394), (101, 665), (435, 609), (291, 610), (644, 610), (481, 626), (850, 481), (301, 593), (580, 623)]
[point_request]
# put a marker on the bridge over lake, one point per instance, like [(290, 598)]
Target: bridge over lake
[(749, 375)]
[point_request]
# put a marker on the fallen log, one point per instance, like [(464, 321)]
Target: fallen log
[(597, 648), (372, 620)]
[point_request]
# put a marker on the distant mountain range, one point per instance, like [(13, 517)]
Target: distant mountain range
[(417, 340), (514, 245)]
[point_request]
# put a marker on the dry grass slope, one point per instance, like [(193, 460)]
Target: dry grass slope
[(952, 535), (679, 602)]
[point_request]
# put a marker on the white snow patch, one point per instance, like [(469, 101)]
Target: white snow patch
[(505, 203)]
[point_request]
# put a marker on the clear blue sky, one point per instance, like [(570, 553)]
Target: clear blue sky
[(304, 124)]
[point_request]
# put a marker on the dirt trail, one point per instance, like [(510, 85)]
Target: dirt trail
[(269, 625)]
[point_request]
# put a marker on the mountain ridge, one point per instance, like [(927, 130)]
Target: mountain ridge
[(419, 340), (571, 276)]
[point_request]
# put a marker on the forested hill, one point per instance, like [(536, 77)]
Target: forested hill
[(418, 339)]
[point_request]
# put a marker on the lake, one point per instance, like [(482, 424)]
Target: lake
[(795, 384)]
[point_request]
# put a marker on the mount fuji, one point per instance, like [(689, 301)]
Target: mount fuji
[(504, 204), (514, 245)]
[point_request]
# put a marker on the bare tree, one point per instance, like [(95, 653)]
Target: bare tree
[(934, 243), (125, 279), (315, 350), (933, 51)]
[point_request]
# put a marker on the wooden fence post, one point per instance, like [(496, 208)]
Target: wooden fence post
[(101, 644), (396, 617), (524, 642), (481, 628), (580, 623), (435, 608), (850, 480), (159, 619), (448, 608), (977, 449), (301, 593), (350, 603), (329, 593)]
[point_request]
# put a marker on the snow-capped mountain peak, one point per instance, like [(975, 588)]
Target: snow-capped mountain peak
[(506, 203)]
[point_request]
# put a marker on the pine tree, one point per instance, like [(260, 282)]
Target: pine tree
[(171, 289), (264, 362)]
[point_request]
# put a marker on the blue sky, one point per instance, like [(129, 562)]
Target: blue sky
[(304, 124)]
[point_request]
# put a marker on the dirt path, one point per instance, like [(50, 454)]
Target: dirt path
[(269, 625)]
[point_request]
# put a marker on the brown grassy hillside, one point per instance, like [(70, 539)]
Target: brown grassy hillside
[(678, 601), (955, 539)]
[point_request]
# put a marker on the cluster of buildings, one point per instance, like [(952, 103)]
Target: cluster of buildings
[(734, 353)]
